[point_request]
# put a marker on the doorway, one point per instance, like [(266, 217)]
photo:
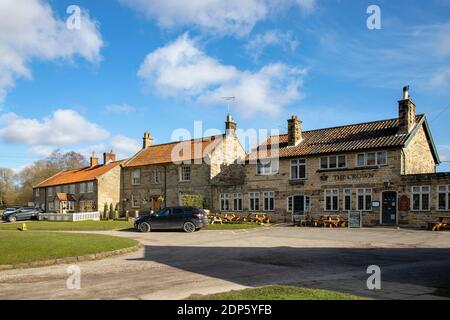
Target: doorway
[(389, 207)]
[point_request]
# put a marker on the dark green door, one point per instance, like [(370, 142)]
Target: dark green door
[(389, 208)]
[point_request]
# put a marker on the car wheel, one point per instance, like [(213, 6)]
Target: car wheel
[(189, 227), (144, 227), (12, 219)]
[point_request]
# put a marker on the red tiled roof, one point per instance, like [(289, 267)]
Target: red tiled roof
[(180, 151), (357, 137), (78, 175)]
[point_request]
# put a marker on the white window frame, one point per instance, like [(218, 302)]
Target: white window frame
[(254, 196), (328, 162), (90, 187), (225, 204), (297, 163), (421, 193), (36, 193), (136, 177), (184, 173), (82, 187), (238, 201), (364, 192), (445, 192), (267, 169), (347, 192), (377, 164), (70, 206), (306, 203), (50, 192), (331, 193), (133, 204), (269, 195), (156, 177)]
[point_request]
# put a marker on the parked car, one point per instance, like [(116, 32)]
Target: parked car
[(188, 219), (23, 213)]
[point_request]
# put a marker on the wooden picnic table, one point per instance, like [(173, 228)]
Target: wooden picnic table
[(332, 221), (442, 223)]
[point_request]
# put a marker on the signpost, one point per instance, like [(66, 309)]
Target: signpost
[(354, 219)]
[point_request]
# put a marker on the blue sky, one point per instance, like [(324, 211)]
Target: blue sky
[(137, 65)]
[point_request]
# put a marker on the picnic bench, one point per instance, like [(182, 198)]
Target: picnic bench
[(441, 224), (332, 221)]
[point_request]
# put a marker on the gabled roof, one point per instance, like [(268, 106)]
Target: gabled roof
[(179, 151), (78, 175), (356, 137)]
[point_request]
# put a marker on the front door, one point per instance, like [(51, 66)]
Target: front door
[(389, 208), (156, 204)]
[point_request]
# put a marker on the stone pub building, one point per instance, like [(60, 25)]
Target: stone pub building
[(385, 169)]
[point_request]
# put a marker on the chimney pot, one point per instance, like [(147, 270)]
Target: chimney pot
[(406, 113), (230, 126)]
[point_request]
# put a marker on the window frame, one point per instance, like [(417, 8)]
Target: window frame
[(181, 174), (267, 169), (364, 194), (83, 187), (347, 193), (50, 192), (156, 177), (421, 193), (132, 200), (364, 154), (72, 187), (299, 163), (37, 192), (269, 195), (238, 198), (90, 187), (254, 196), (334, 193), (446, 193), (328, 161), (136, 177), (224, 198)]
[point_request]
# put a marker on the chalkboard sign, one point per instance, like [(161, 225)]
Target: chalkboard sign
[(354, 219)]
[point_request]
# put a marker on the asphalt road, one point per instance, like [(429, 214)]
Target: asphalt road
[(174, 265)]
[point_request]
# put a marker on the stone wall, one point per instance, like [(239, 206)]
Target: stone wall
[(109, 188), (417, 156)]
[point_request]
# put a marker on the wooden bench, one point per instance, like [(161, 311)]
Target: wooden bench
[(441, 224)]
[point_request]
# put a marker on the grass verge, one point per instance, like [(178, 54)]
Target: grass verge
[(232, 226), (279, 292), (68, 225), (25, 247)]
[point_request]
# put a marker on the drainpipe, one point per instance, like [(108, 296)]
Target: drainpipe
[(165, 186)]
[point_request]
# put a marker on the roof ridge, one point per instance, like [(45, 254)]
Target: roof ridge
[(348, 125)]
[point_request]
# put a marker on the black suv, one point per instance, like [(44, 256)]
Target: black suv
[(24, 213), (188, 219)]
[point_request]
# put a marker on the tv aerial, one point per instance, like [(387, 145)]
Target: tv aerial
[(230, 99)]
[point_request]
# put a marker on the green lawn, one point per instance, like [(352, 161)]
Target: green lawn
[(278, 292), (27, 246), (68, 226), (232, 226)]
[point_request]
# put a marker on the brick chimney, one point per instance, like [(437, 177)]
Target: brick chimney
[(406, 113), (230, 126), (147, 140), (109, 157), (93, 160), (294, 131)]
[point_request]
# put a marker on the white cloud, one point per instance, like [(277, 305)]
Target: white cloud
[(181, 68), (235, 17), (63, 127), (120, 108), (29, 30), (442, 78), (125, 146), (256, 46)]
